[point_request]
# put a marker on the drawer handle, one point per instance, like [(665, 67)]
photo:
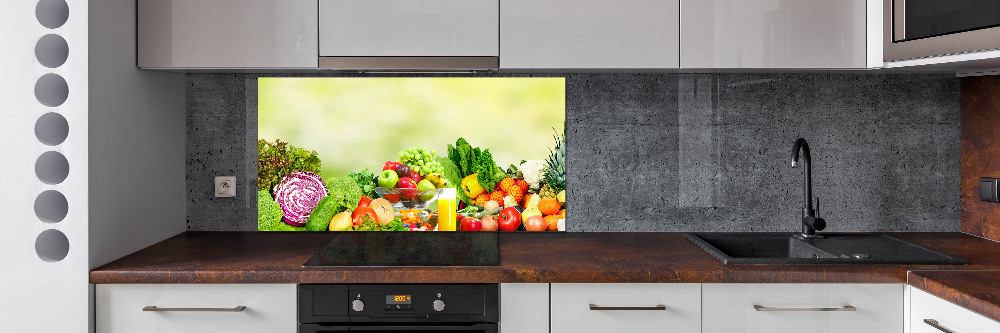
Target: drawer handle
[(233, 309), (759, 307), (935, 324), (628, 308)]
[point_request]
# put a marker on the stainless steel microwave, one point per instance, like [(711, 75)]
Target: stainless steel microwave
[(927, 28)]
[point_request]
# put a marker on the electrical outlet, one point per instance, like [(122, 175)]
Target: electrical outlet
[(225, 186)]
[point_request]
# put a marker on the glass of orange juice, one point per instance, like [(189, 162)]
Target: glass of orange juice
[(447, 206)]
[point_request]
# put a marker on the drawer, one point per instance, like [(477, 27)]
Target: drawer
[(776, 308), (626, 307), (268, 308), (949, 316)]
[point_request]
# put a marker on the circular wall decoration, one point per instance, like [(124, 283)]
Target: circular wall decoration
[(51, 129), (51, 90), (52, 13), (51, 206), (51, 51), (52, 245), (52, 167)]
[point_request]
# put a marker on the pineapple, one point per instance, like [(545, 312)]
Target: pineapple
[(546, 192), (555, 169)]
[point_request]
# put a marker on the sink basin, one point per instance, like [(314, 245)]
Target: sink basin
[(786, 248)]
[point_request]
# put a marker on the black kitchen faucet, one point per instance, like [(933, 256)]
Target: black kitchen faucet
[(810, 222)]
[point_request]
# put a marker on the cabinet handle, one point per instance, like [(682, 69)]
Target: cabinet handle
[(630, 308), (759, 307), (935, 324), (233, 309)]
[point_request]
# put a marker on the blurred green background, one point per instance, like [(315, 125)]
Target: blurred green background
[(357, 123)]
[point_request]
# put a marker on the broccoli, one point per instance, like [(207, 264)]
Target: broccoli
[(366, 181), (269, 214), (345, 192)]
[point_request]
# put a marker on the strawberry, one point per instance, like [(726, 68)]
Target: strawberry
[(506, 184), (482, 199), (497, 196), (516, 193), (523, 185)]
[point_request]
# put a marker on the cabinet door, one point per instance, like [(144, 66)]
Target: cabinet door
[(626, 307), (802, 308), (589, 34), (409, 28), (944, 314), (227, 34), (268, 308), (773, 34), (524, 308)]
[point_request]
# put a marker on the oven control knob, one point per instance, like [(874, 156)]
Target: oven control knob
[(438, 305), (358, 305)]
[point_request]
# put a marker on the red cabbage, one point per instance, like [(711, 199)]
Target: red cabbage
[(298, 194)]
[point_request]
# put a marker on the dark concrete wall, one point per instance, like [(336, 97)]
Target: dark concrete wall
[(683, 152)]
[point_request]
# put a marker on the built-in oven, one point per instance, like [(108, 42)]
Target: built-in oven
[(388, 308), (927, 28)]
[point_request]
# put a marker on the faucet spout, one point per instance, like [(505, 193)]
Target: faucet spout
[(810, 222)]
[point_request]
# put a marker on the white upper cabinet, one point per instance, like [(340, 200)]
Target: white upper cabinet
[(589, 34), (409, 28), (227, 34), (778, 33)]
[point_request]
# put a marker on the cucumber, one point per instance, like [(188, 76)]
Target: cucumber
[(320, 218)]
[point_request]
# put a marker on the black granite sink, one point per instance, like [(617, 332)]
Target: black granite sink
[(786, 248)]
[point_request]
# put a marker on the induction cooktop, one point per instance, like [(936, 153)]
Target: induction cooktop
[(408, 248)]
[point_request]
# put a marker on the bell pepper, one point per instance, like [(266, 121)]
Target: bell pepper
[(471, 187)]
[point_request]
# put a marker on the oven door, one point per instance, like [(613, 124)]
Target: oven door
[(471, 328), (927, 28)]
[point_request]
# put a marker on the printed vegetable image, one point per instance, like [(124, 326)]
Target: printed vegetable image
[(298, 194), (399, 153)]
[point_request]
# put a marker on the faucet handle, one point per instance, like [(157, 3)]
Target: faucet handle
[(817, 206)]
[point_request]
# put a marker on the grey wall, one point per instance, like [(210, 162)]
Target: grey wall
[(683, 152), (136, 138)]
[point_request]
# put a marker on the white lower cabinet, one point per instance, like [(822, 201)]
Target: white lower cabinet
[(524, 307), (802, 308), (930, 314), (626, 307), (196, 308)]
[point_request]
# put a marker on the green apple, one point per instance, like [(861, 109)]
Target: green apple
[(388, 179), (423, 185)]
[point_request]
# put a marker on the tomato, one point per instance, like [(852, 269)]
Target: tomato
[(361, 213), (471, 224), (535, 223), (509, 219), (364, 201)]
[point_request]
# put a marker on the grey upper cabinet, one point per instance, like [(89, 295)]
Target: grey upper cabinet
[(581, 34), (779, 34), (220, 34)]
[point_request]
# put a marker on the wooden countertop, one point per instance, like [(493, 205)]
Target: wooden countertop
[(978, 291), (276, 257)]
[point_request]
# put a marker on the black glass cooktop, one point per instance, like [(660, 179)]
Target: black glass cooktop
[(409, 248)]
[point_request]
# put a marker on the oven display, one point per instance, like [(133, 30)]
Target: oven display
[(397, 299)]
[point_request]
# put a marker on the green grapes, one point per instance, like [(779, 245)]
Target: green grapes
[(421, 160)]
